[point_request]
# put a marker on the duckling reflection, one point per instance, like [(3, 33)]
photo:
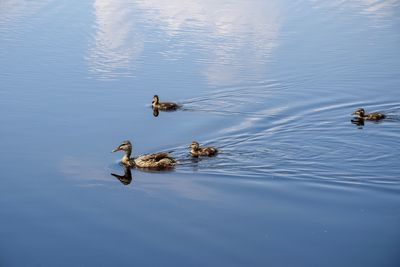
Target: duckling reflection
[(126, 178), (155, 112), (373, 116), (196, 150), (194, 163), (358, 121), (156, 161), (164, 106)]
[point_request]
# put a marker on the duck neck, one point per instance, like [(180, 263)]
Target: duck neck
[(127, 156)]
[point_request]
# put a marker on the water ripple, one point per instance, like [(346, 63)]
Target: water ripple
[(313, 140)]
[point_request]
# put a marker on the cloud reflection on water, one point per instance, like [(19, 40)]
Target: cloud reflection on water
[(12, 11), (116, 45), (376, 8), (232, 40)]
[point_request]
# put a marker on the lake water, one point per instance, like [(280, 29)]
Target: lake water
[(270, 83)]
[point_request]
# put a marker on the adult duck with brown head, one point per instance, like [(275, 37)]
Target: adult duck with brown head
[(161, 160)]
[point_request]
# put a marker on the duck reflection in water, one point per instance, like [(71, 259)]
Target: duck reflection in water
[(155, 112), (126, 178), (358, 121)]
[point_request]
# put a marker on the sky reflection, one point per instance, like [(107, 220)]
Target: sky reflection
[(116, 44), (232, 40), (11, 11), (377, 8)]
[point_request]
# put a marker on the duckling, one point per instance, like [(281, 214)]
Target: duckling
[(196, 150), (163, 105), (161, 160), (373, 116)]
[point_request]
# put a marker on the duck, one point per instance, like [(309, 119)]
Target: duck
[(156, 104), (161, 160), (373, 116), (196, 150)]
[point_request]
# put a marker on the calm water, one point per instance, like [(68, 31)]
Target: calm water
[(271, 83)]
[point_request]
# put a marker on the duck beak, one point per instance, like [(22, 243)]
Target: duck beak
[(115, 149)]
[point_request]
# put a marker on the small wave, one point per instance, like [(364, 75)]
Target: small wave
[(312, 141)]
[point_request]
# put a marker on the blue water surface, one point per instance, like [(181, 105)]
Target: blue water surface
[(272, 84)]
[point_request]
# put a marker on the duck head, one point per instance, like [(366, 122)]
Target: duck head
[(194, 146), (155, 100), (125, 146), (360, 112)]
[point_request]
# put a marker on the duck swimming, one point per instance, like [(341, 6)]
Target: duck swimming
[(163, 105), (161, 160), (373, 116), (196, 150)]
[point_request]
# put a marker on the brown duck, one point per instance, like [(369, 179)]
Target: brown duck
[(161, 160), (157, 105), (196, 150), (373, 116)]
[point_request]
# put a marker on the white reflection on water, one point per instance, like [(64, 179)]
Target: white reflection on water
[(116, 43), (11, 11), (377, 8), (232, 40)]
